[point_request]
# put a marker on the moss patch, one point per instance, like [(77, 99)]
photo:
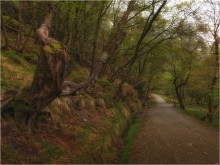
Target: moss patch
[(52, 48), (104, 82), (126, 148)]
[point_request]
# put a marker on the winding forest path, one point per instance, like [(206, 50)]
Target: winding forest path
[(168, 136)]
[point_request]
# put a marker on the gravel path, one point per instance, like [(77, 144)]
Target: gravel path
[(170, 137)]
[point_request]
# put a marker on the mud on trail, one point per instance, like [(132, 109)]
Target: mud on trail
[(170, 137)]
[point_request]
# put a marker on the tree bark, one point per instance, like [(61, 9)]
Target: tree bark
[(5, 34), (213, 104), (20, 35), (179, 97), (215, 79), (48, 79), (178, 90), (96, 36)]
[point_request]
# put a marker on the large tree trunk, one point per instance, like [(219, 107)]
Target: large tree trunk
[(179, 97), (48, 79), (96, 37)]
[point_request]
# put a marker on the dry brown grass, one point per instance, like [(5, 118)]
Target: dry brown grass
[(131, 98), (83, 129), (15, 76)]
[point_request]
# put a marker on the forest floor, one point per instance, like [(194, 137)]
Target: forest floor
[(168, 136)]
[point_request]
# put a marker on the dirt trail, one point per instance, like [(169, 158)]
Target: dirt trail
[(170, 137)]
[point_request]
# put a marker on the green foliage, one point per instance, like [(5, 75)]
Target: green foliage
[(127, 146), (51, 151), (13, 56), (31, 58), (10, 22), (201, 78), (52, 48), (78, 77), (104, 82)]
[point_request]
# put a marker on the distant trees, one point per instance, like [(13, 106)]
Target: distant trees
[(20, 18), (184, 54), (182, 57), (214, 17)]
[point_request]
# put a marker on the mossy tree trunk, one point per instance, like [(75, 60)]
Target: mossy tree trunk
[(48, 79)]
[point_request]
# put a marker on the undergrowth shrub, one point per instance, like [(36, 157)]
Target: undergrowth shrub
[(104, 82), (130, 96), (78, 74), (31, 58), (107, 100), (10, 22), (13, 56)]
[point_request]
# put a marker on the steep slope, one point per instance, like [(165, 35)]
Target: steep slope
[(87, 128)]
